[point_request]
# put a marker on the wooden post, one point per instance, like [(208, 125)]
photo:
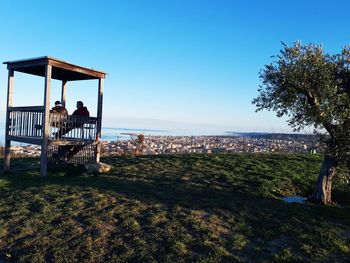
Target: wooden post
[(99, 119), (64, 93), (7, 159), (46, 119)]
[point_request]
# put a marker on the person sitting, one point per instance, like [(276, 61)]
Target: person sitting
[(78, 122), (60, 115), (59, 109), (81, 110)]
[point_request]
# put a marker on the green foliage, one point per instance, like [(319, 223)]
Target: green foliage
[(187, 208), (311, 88)]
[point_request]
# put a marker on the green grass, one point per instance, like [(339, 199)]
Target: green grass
[(186, 208)]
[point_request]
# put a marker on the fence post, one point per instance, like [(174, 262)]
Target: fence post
[(46, 119), (7, 158)]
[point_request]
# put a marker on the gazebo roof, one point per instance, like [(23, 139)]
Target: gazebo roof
[(61, 70)]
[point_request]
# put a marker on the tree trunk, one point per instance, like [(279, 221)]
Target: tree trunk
[(323, 192)]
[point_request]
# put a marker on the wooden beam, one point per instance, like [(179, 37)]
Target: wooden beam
[(61, 70), (46, 120), (64, 93), (28, 108), (75, 68), (7, 159), (99, 118), (30, 140), (71, 142), (26, 63)]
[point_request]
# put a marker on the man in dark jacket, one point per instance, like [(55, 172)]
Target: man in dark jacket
[(81, 110)]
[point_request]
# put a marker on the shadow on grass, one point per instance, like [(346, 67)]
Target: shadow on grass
[(234, 192), (171, 190)]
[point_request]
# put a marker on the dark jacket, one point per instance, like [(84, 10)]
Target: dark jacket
[(82, 111)]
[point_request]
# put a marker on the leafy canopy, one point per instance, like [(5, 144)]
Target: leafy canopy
[(311, 88), (308, 86)]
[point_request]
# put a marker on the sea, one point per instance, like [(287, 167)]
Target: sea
[(124, 133), (112, 134)]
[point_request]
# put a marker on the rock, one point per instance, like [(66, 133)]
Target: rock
[(98, 167)]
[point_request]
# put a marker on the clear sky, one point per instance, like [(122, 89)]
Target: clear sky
[(171, 64)]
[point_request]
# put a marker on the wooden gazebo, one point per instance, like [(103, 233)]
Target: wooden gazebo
[(36, 125)]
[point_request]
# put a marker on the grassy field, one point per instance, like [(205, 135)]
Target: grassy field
[(187, 208)]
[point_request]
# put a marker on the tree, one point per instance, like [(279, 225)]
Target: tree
[(312, 88)]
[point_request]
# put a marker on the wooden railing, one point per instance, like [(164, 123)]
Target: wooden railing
[(72, 127), (27, 122)]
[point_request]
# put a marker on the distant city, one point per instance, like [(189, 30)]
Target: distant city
[(250, 142), (234, 143)]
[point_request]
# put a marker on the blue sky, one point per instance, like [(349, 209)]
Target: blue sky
[(172, 64)]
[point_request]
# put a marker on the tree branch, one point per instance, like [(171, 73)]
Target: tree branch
[(313, 102)]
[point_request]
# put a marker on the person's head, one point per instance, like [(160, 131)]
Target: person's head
[(80, 104), (57, 103)]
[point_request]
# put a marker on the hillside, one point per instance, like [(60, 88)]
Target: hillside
[(185, 208)]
